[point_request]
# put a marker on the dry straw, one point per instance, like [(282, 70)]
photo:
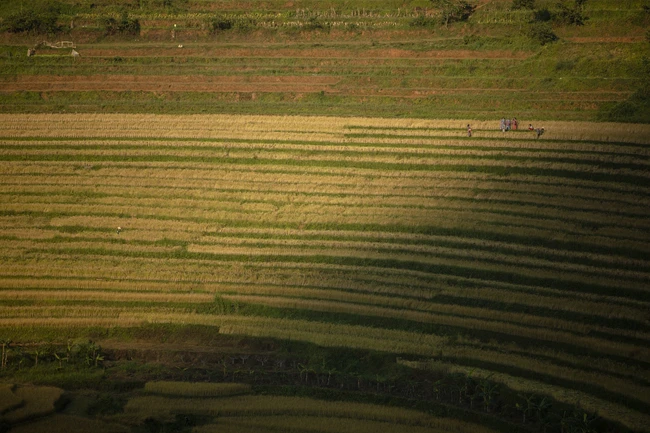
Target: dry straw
[(150, 125)]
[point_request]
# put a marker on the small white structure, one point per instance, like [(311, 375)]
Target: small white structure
[(58, 45)]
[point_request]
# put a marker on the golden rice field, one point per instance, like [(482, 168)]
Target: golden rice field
[(528, 257)]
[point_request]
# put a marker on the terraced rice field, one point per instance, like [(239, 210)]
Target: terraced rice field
[(243, 413), (526, 256), (441, 82), (421, 77), (385, 59)]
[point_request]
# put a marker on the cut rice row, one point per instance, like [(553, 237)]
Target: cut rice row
[(334, 284), (156, 125), (181, 171), (495, 265), (409, 308), (201, 271), (485, 217), (236, 181), (310, 143), (15, 190), (598, 166), (105, 237), (515, 324)]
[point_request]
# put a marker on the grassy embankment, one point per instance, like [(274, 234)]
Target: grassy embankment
[(309, 58)]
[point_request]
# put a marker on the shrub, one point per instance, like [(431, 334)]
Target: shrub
[(219, 24), (542, 33), (455, 10), (523, 4), (129, 26), (125, 26), (222, 23), (542, 15), (37, 21), (573, 15)]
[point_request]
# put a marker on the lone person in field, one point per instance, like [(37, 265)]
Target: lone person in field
[(119, 229), (469, 130)]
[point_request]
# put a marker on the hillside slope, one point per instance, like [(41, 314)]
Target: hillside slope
[(332, 58)]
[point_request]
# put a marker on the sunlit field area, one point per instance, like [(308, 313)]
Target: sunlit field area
[(308, 216)]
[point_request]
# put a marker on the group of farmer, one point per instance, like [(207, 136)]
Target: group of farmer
[(511, 124), (508, 124)]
